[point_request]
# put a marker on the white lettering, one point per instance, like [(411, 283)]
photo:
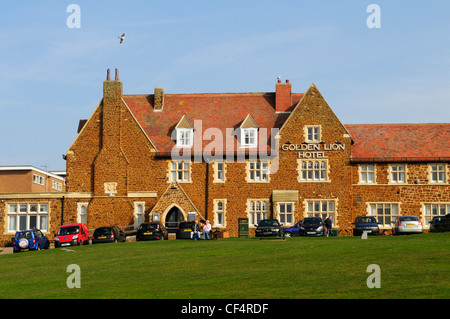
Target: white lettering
[(374, 280), (74, 280), (74, 20), (374, 20)]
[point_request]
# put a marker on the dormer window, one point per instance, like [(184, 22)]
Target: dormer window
[(249, 132), (249, 137), (184, 137), (184, 133)]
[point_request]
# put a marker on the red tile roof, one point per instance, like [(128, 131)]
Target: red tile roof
[(400, 142), (215, 110)]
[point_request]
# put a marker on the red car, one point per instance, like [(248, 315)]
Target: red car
[(72, 235)]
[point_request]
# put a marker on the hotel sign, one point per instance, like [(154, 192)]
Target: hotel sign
[(306, 150)]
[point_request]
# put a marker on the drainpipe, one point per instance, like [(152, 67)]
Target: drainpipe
[(206, 189), (62, 210)]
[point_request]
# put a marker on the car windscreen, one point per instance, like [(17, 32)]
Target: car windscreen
[(312, 221), (26, 235), (102, 232), (265, 223), (71, 230), (361, 220), (149, 227), (409, 219)]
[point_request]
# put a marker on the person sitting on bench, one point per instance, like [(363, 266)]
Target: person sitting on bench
[(195, 230), (206, 229)]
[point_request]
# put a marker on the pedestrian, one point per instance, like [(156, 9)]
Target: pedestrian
[(328, 225), (206, 229), (195, 230)]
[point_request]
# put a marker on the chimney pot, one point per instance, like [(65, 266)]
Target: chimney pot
[(117, 74), (108, 75), (287, 81)]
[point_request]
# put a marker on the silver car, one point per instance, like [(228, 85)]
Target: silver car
[(407, 224)]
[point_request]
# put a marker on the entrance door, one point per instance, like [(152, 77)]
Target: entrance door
[(173, 219)]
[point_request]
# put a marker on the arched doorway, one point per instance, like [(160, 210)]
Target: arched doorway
[(173, 218)]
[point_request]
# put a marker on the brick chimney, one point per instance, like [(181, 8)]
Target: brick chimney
[(112, 102), (283, 99), (110, 169), (159, 99)]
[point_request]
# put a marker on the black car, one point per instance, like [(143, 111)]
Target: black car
[(365, 223), (311, 226), (152, 231), (109, 234), (440, 224), (436, 224), (184, 230), (269, 227)]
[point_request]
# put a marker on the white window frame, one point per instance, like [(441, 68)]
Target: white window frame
[(283, 213), (24, 211), (249, 137), (390, 212), (175, 170), (430, 210), (257, 210), (365, 172), (38, 179), (82, 212), (438, 173), (139, 213), (313, 170), (185, 137), (219, 171), (220, 208), (397, 173), (321, 208), (258, 171), (313, 133)]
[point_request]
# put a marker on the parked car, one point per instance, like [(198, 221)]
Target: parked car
[(109, 234), (365, 223), (152, 230), (72, 235), (311, 226), (292, 231), (436, 224), (184, 230), (269, 227), (26, 240), (407, 224)]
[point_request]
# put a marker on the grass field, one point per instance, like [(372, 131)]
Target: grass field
[(414, 266)]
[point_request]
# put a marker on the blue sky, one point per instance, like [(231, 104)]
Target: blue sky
[(51, 75)]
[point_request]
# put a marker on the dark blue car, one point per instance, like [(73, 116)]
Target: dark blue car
[(292, 231), (26, 240)]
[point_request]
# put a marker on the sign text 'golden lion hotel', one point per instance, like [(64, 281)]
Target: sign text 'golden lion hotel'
[(227, 156)]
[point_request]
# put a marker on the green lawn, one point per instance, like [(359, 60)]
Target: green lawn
[(413, 266)]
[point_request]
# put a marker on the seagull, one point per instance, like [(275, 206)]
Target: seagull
[(122, 37)]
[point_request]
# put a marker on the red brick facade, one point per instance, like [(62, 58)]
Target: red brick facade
[(120, 168)]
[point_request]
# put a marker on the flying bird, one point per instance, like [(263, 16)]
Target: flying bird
[(122, 37)]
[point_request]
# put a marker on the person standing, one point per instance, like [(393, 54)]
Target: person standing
[(328, 225)]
